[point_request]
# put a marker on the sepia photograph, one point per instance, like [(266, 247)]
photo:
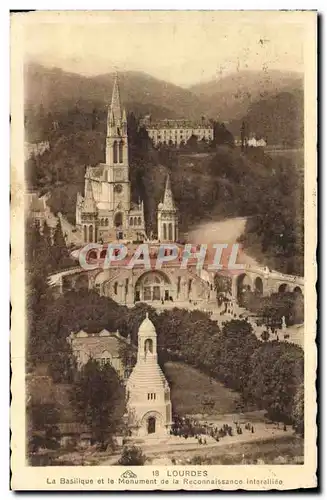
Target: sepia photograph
[(163, 249)]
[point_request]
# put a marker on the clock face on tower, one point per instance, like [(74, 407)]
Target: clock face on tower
[(118, 188)]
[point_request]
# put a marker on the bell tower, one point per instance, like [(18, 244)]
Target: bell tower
[(117, 159)]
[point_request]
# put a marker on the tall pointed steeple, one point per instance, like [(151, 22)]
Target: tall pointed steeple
[(168, 200), (115, 112), (167, 216), (89, 203)]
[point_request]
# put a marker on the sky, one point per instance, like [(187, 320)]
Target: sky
[(183, 48)]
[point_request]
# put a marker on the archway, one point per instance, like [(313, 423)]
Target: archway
[(121, 152), (243, 285), (152, 286), (283, 288), (90, 234), (115, 151), (148, 346), (118, 221), (297, 290), (258, 286), (151, 427)]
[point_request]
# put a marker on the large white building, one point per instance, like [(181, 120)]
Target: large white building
[(177, 132), (148, 392)]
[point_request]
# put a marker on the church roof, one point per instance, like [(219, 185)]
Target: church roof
[(115, 108), (89, 203), (168, 200), (145, 374), (147, 326)]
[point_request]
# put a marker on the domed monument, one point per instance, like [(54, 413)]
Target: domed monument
[(149, 406)]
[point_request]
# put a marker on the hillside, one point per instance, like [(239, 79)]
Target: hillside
[(279, 118), (229, 98), (58, 90)]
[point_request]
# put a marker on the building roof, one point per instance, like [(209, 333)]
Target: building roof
[(115, 113), (147, 326), (168, 200)]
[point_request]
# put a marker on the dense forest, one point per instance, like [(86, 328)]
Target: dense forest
[(209, 181)]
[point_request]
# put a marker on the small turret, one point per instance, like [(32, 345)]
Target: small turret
[(167, 216)]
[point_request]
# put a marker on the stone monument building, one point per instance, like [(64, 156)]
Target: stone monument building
[(148, 392)]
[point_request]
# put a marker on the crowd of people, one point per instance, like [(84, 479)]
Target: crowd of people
[(187, 428)]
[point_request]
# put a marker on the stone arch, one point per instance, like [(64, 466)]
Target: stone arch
[(258, 285), (118, 220), (298, 290), (90, 233), (121, 149), (139, 221), (116, 287), (164, 231), (106, 221), (283, 288), (243, 284), (115, 152), (170, 231), (148, 346), (152, 286), (131, 221), (85, 233), (152, 417)]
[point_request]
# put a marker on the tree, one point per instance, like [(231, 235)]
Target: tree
[(238, 343), (100, 400), (132, 456), (276, 372), (298, 410)]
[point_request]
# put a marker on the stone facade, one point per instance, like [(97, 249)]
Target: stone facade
[(103, 346), (177, 132), (148, 392)]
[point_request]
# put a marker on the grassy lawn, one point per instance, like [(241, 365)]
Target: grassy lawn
[(191, 390), (284, 450)]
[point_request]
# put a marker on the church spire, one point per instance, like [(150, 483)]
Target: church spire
[(168, 200), (115, 113)]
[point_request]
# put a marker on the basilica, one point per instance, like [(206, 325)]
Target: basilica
[(105, 212)]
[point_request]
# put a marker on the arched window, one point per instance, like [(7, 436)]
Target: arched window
[(139, 222), (115, 149), (118, 221), (170, 232), (105, 358), (131, 221), (90, 233), (135, 221), (121, 146), (148, 346), (164, 231), (106, 221), (116, 288), (85, 234)]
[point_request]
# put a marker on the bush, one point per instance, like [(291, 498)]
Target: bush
[(132, 456)]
